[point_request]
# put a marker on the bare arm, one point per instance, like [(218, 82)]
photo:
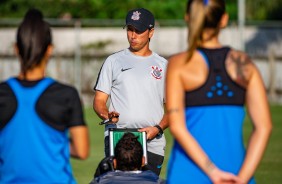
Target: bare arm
[(164, 122), (258, 109), (99, 104), (79, 144), (177, 125), (101, 109), (244, 72)]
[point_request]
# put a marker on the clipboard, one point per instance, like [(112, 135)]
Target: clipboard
[(115, 134)]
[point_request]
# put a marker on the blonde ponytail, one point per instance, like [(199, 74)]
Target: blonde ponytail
[(195, 25)]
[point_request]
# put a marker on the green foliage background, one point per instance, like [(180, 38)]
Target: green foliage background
[(115, 9)]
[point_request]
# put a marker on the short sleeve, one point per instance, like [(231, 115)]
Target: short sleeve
[(76, 114), (8, 104), (60, 107), (105, 77)]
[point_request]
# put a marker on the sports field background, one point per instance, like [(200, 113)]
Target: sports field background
[(269, 171)]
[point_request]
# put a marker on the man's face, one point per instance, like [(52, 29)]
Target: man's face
[(138, 40)]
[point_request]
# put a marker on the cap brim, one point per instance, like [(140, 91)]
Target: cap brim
[(138, 27)]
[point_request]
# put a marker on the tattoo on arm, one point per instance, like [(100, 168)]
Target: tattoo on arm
[(241, 62), (209, 165), (172, 110)]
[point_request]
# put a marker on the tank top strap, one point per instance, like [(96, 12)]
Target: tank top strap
[(219, 88), (31, 93)]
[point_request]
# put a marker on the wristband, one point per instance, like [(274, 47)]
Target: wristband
[(160, 130)]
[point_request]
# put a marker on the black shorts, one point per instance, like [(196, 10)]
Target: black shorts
[(155, 162)]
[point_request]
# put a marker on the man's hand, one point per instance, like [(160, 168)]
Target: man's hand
[(109, 118), (150, 131), (113, 116)]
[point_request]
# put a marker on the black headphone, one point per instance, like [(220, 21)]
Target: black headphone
[(107, 164)]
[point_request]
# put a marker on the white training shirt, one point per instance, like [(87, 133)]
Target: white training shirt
[(135, 85)]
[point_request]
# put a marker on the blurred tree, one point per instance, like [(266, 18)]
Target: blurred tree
[(231, 8), (263, 10), (116, 9)]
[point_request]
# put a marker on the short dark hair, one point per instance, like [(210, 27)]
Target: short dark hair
[(33, 38), (128, 153)]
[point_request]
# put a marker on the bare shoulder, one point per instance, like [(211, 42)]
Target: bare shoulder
[(177, 59)]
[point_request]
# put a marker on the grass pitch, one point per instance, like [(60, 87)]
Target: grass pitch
[(269, 170)]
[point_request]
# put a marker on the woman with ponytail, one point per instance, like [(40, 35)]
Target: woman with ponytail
[(207, 88), (41, 120)]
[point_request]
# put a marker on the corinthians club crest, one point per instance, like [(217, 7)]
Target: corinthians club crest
[(135, 15), (156, 72)]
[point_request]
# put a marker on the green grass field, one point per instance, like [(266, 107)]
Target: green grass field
[(269, 171)]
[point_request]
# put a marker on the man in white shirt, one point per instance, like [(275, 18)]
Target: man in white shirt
[(134, 80)]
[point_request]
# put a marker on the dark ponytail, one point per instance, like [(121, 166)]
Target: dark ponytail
[(33, 39)]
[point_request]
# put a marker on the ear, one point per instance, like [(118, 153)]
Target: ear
[(16, 49), (186, 18), (143, 161), (49, 50), (115, 163), (224, 20), (151, 32)]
